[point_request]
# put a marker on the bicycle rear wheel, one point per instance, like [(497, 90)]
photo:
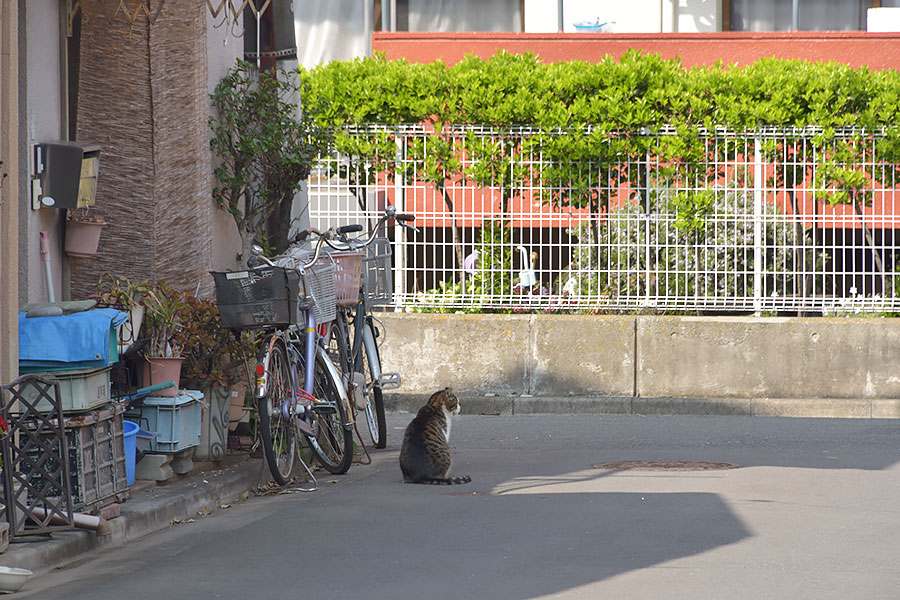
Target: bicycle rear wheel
[(275, 421), (369, 363), (332, 439)]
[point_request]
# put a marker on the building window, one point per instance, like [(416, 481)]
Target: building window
[(452, 15), (812, 15)]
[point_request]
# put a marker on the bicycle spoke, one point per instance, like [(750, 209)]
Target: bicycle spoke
[(332, 444), (370, 365), (277, 431)]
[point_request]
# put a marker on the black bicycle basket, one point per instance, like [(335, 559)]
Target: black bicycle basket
[(261, 297)]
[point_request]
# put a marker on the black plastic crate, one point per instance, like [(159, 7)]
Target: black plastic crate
[(96, 450), (262, 297)]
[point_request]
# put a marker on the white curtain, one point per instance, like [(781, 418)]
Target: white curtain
[(465, 15), (815, 15), (329, 30), (332, 30)]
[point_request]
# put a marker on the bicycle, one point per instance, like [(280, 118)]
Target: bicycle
[(353, 332), (285, 299)]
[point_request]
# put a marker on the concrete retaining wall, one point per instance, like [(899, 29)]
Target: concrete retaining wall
[(730, 358)]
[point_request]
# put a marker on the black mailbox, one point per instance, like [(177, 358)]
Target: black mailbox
[(67, 173)]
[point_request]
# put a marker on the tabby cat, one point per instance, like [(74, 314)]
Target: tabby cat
[(425, 455)]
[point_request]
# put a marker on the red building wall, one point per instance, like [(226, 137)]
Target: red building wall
[(876, 50)]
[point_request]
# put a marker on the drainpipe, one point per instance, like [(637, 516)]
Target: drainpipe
[(795, 15), (559, 15), (48, 272)]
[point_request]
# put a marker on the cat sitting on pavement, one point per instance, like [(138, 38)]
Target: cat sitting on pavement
[(425, 454)]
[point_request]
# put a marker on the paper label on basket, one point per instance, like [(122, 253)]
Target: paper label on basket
[(237, 275)]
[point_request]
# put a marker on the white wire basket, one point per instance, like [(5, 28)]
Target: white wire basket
[(378, 283), (317, 289)]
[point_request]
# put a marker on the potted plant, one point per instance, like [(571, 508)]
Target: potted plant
[(164, 318), (215, 362), (127, 295), (83, 234)]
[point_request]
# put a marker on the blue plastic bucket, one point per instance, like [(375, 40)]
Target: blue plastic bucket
[(131, 430)]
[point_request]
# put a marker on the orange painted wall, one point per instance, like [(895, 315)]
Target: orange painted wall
[(876, 50)]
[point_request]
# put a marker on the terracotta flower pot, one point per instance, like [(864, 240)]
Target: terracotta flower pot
[(82, 238), (159, 369)]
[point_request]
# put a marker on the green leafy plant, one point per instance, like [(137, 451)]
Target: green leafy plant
[(121, 291), (682, 263), (434, 159), (165, 318), (494, 271), (265, 151), (637, 122), (212, 355), (491, 275), (603, 104), (450, 297)]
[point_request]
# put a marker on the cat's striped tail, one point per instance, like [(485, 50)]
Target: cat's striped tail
[(446, 480)]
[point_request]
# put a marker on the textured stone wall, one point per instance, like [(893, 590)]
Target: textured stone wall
[(142, 97)]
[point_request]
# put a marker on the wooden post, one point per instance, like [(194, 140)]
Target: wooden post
[(9, 191)]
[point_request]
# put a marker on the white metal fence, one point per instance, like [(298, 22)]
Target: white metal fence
[(512, 219)]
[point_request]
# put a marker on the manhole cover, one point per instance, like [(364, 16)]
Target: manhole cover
[(666, 465)]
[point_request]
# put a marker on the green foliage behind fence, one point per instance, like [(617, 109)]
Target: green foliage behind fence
[(638, 121), (635, 91), (608, 102)]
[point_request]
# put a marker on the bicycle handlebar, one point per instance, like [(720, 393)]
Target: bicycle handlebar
[(389, 214), (342, 231)]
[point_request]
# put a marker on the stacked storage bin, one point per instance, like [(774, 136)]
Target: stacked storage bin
[(173, 420), (173, 424), (77, 350)]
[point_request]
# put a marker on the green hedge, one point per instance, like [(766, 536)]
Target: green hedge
[(577, 113), (609, 105), (638, 90)]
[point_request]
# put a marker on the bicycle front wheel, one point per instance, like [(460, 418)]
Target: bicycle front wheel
[(275, 414), (332, 439), (370, 364)]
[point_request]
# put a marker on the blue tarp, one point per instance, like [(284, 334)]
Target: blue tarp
[(73, 341)]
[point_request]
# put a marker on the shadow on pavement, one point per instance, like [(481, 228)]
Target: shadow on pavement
[(868, 444)]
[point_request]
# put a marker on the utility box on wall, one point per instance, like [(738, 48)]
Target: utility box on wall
[(65, 175)]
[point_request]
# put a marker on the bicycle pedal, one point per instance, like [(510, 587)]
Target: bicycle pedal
[(389, 381), (324, 408), (304, 427)]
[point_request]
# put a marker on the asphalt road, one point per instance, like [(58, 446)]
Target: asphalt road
[(811, 512)]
